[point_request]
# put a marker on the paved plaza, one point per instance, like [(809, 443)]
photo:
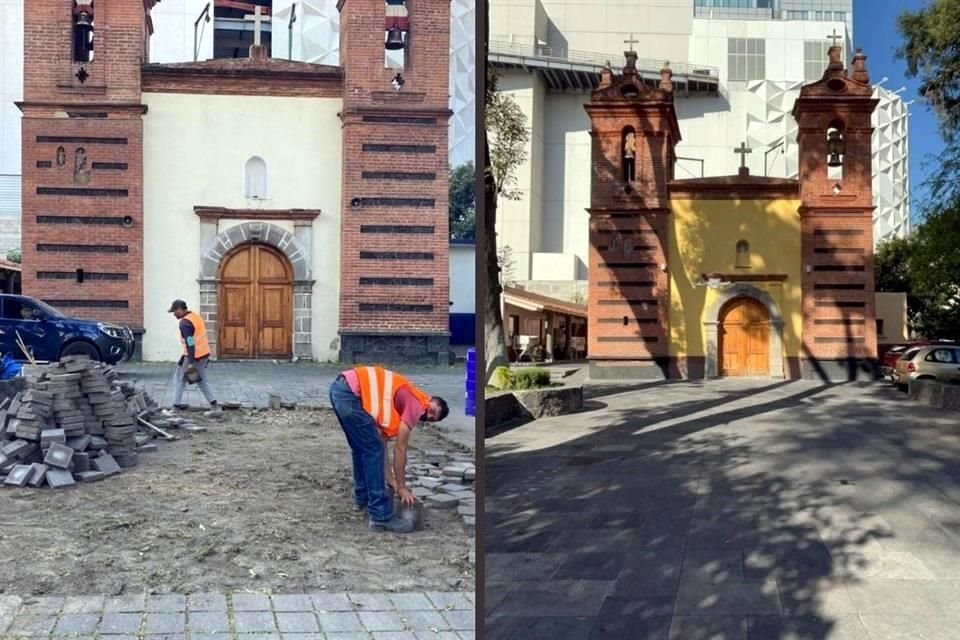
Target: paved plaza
[(242, 616), (727, 510), (308, 384)]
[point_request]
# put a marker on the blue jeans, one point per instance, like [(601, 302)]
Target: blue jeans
[(363, 436)]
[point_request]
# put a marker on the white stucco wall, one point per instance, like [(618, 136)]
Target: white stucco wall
[(195, 148), (463, 278)]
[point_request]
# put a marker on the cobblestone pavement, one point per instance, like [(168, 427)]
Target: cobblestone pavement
[(242, 616), (307, 384), (758, 510)]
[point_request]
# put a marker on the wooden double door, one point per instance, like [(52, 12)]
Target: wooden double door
[(744, 339), (255, 315)]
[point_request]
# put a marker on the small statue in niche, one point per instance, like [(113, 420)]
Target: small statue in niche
[(629, 157), (81, 172), (61, 157)]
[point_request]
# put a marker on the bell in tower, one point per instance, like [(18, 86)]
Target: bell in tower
[(82, 30), (396, 30)]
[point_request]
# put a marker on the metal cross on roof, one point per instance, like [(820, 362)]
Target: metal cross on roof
[(743, 150), (834, 36), (630, 41)]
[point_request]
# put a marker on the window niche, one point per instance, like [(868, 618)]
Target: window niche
[(743, 255), (628, 161), (83, 31), (836, 150), (255, 179)]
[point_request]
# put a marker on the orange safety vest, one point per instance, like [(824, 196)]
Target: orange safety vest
[(201, 346), (378, 387)]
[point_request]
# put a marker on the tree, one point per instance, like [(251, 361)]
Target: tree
[(463, 199), (14, 255), (504, 150), (930, 36), (934, 267), (506, 264)]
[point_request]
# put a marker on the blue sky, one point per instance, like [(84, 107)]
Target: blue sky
[(875, 31)]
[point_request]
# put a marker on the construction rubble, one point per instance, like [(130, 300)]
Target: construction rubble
[(74, 422)]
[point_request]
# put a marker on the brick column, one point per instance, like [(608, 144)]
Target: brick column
[(839, 317), (628, 302)]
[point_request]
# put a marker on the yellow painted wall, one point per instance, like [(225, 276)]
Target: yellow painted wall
[(195, 150), (703, 239)]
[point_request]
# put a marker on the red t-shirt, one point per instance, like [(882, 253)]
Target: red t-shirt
[(404, 401)]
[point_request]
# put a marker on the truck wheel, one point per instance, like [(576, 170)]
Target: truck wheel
[(81, 349)]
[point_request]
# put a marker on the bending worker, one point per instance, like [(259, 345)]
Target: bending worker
[(373, 406)]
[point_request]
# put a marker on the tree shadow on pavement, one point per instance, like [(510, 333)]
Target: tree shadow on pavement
[(759, 511)]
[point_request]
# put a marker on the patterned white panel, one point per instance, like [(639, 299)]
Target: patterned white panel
[(316, 38), (768, 122)]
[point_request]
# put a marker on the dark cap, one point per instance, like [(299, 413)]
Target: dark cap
[(177, 304)]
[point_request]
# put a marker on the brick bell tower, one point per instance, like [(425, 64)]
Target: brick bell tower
[(835, 132), (82, 156), (394, 291), (634, 130)]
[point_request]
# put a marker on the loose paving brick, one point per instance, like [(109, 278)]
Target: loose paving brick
[(84, 604), (332, 602), (59, 478), (77, 623), (381, 621), (411, 601), (251, 602), (424, 620), (292, 602), (254, 621), (120, 623), (133, 602), (207, 602), (208, 622), (167, 603), (442, 501), (371, 601), (299, 622), (339, 621)]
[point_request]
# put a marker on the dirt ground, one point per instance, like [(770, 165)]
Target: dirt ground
[(262, 501)]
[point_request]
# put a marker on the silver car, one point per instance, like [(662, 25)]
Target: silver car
[(934, 362)]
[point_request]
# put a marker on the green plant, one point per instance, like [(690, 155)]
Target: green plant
[(531, 378), (502, 378), (14, 255)]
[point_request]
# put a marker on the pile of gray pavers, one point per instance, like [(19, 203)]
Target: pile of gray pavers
[(74, 422), (445, 481)]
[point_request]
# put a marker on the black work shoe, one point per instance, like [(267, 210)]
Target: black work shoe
[(394, 525)]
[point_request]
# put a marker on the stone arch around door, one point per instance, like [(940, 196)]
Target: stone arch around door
[(296, 252), (711, 322)]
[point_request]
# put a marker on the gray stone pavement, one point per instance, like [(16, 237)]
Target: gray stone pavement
[(308, 384), (242, 616), (730, 510)]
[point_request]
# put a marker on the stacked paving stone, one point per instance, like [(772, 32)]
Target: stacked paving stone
[(445, 481), (74, 422)]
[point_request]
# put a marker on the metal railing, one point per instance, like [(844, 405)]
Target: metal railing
[(569, 56)]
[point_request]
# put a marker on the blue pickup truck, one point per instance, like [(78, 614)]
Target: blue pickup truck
[(49, 335)]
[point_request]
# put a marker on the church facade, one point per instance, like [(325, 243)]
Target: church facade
[(734, 275), (300, 208)]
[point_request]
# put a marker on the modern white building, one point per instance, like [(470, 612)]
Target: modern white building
[(182, 34), (738, 66)]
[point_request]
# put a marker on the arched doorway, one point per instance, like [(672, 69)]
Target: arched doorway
[(255, 304), (744, 338)]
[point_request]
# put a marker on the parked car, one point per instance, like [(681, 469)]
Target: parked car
[(50, 335), (934, 362), (889, 361)]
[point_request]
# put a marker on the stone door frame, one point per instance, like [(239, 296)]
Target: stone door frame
[(296, 247), (711, 323)]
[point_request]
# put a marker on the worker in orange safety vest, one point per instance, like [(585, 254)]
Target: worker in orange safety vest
[(375, 405)]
